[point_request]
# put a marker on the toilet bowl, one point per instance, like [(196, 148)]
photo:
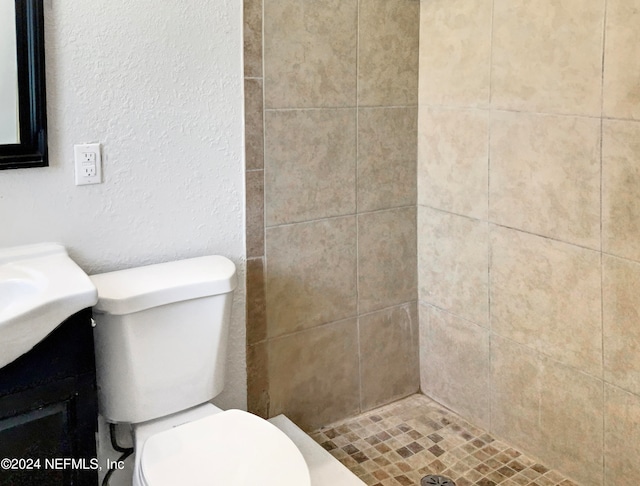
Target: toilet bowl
[(161, 346), (230, 447)]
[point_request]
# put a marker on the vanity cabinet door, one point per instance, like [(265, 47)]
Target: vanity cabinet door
[(32, 437), (48, 410)]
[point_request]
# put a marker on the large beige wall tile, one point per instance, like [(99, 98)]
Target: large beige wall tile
[(386, 258), (571, 410), (253, 124), (310, 53), (453, 264), (258, 379), (252, 20), (313, 375), (621, 317), (547, 56), (621, 66), (621, 437), (546, 294), (620, 183), (545, 176), (549, 409), (254, 183), (311, 274), (388, 52), (456, 357), (453, 160), (386, 157), (310, 165), (424, 313), (388, 355), (256, 303), (455, 52), (516, 384)]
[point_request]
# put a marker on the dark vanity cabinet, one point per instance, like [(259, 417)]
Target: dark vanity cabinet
[(48, 410)]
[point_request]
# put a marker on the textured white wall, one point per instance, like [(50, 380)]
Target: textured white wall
[(159, 84)]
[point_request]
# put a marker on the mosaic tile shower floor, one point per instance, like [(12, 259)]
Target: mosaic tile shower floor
[(402, 442)]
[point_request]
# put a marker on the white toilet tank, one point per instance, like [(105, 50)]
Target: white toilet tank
[(161, 336)]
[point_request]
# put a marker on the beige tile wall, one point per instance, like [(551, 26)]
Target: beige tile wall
[(529, 225), (331, 127)]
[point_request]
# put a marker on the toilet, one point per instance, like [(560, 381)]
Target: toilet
[(161, 344)]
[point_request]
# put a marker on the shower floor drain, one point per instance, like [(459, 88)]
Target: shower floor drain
[(434, 480)]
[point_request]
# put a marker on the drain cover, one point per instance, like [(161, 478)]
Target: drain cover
[(434, 480)]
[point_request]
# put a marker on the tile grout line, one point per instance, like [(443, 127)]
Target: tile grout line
[(521, 230), (264, 146), (602, 339), (401, 305), (264, 204), (489, 248), (490, 109), (357, 223), (419, 313), (467, 321), (346, 215), (342, 107)]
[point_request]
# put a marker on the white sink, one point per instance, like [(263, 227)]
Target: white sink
[(40, 286)]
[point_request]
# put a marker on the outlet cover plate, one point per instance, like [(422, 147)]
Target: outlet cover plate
[(88, 163)]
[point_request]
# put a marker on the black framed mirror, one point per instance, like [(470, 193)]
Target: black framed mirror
[(23, 118)]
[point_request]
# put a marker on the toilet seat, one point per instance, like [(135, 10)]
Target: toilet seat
[(231, 448)]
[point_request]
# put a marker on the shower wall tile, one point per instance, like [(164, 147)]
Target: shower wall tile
[(545, 175), (332, 126), (550, 409), (457, 356), (571, 410), (621, 437), (310, 165), (529, 126), (387, 151), (621, 66), (453, 160), (313, 374), (621, 281), (546, 294), (388, 355), (254, 124), (388, 52), (311, 274), (386, 258), (256, 324), (310, 53), (254, 183), (258, 379), (516, 381), (456, 54), (453, 264), (256, 304), (536, 65), (620, 182), (252, 20), (426, 365)]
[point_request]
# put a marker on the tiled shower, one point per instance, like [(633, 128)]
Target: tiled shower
[(331, 159), (507, 259)]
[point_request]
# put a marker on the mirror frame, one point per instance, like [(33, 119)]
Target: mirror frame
[(32, 149)]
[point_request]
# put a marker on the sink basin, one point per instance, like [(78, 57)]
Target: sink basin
[(40, 286)]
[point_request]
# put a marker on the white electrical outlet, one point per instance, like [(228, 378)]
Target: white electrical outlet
[(88, 163)]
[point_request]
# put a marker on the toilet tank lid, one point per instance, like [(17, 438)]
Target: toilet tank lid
[(140, 288)]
